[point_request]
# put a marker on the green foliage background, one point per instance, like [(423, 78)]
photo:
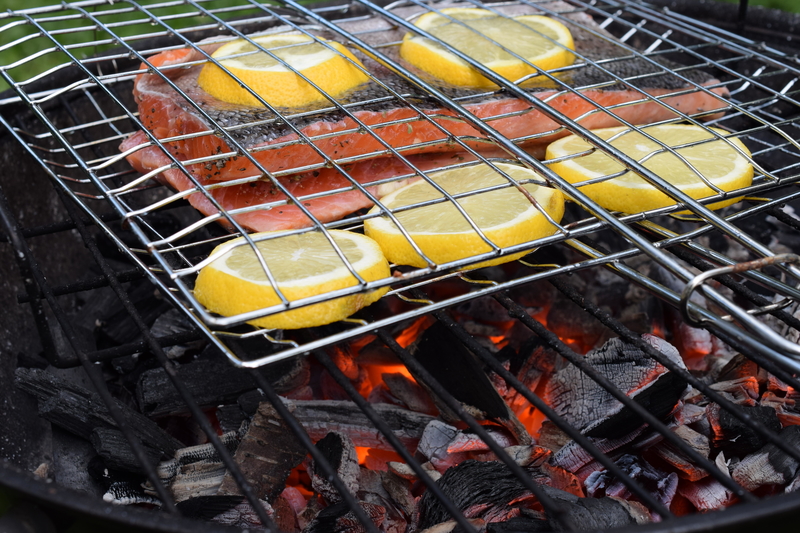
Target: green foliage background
[(13, 29)]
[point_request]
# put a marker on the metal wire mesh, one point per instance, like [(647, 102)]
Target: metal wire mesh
[(761, 109)]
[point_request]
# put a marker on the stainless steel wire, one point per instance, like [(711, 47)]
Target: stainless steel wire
[(762, 109)]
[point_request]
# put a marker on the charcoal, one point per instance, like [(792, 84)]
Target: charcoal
[(374, 488), (470, 484), (435, 439), (520, 524), (552, 437), (528, 455), (399, 492), (212, 383), (340, 519), (242, 516), (566, 319), (686, 469), (209, 507), (80, 411), (128, 493), (592, 409), (285, 515), (770, 464), (25, 440), (572, 456), (319, 417), (267, 454), (489, 487), (706, 495), (410, 393), (195, 480), (458, 372), (71, 459), (736, 437), (661, 485), (167, 470), (230, 417), (115, 323), (171, 323), (467, 441), (115, 450), (339, 451)]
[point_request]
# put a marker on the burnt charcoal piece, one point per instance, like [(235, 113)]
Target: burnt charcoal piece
[(230, 417), (339, 451), (213, 383), (488, 488), (243, 515), (208, 507), (459, 374), (659, 484), (410, 393), (127, 493), (519, 524), (113, 447), (340, 519), (198, 480), (707, 494), (80, 411), (569, 321), (592, 409), (769, 465), (471, 485), (115, 324), (736, 437), (320, 417), (268, 452), (390, 492)]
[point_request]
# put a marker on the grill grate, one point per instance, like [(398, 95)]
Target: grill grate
[(100, 190)]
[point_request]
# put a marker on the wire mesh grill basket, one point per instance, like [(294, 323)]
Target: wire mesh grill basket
[(98, 49)]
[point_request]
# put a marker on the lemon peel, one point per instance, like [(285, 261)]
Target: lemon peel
[(540, 40), (505, 215), (302, 265), (278, 85), (717, 160)]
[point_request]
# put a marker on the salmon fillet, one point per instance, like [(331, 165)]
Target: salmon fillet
[(278, 148), (260, 206)]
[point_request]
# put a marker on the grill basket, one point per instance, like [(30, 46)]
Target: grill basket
[(70, 120)]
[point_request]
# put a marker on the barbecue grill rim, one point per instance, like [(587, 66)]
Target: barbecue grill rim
[(56, 497), (776, 511)]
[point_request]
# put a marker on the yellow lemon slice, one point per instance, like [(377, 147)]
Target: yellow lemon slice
[(271, 80), (505, 215), (542, 41), (303, 265), (716, 160)]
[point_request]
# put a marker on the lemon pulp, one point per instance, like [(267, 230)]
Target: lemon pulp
[(302, 266), (332, 71), (503, 213), (541, 41), (717, 160)]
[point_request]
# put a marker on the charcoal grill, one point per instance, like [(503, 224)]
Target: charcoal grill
[(63, 127)]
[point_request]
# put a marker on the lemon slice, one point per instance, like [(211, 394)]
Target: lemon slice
[(716, 160), (303, 265), (540, 40), (504, 214), (271, 80)]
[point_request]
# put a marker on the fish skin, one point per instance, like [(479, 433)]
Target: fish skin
[(166, 113), (263, 195)]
